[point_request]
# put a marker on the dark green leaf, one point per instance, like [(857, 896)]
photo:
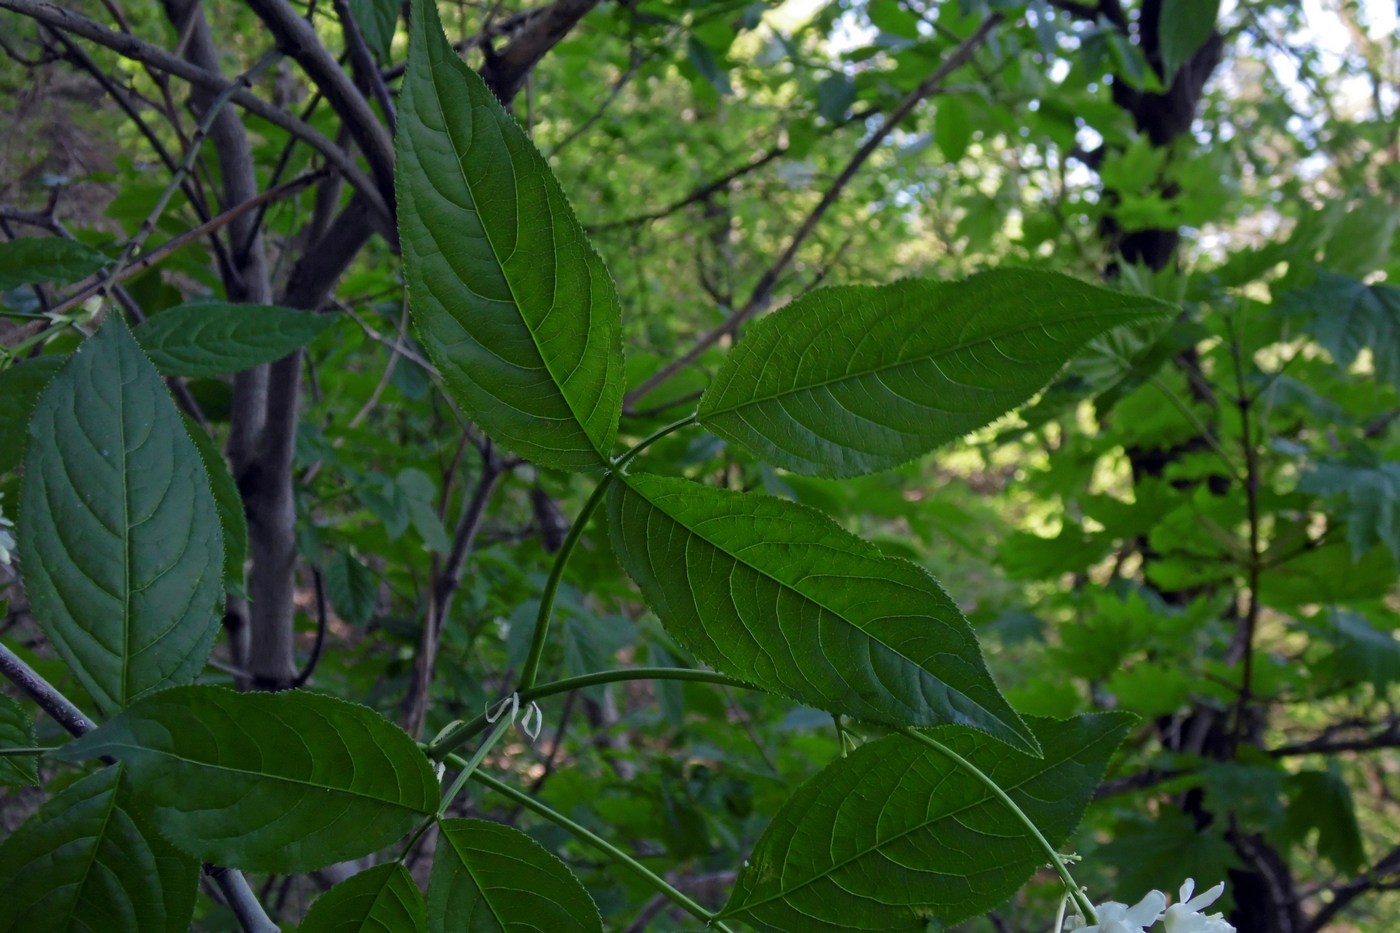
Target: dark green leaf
[(854, 379), (835, 94), (30, 260), (279, 782), (490, 877), (20, 387), (232, 518), (213, 337), (17, 731), (1370, 497), (1183, 27), (420, 494), (1348, 316), (512, 303), (383, 898), (84, 863), (778, 594), (1321, 800), (119, 533), (1157, 852), (1360, 654), (708, 66), (377, 20), (352, 587), (896, 834)]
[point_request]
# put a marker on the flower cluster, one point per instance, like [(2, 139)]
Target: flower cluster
[(1185, 916)]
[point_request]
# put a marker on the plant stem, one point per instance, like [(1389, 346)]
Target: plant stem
[(621, 461), (551, 586), (455, 736), (598, 842), (1055, 860), (506, 721)]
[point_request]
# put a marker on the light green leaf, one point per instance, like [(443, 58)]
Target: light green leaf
[(512, 303), (211, 338), (279, 782), (1182, 28), (488, 877), (383, 898), (30, 260), (895, 834), (84, 863), (377, 20), (119, 533), (17, 731), (20, 387), (778, 594), (232, 518), (855, 379)]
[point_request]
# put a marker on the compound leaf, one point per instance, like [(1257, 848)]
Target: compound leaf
[(854, 379), (512, 303), (896, 834), (119, 537), (491, 877), (284, 782), (83, 863), (778, 594)]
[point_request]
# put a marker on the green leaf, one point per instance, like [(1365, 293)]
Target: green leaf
[(211, 338), (1369, 494), (895, 834), (278, 782), (835, 94), (1361, 652), (352, 588), (383, 898), (30, 260), (854, 379), (1183, 27), (1321, 800), (490, 877), (84, 863), (778, 594), (702, 57), (17, 731), (232, 519), (512, 303), (1348, 316), (119, 533), (377, 20), (420, 493), (1153, 853), (20, 387)]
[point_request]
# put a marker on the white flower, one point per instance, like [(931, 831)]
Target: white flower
[(1120, 918), (1186, 916)]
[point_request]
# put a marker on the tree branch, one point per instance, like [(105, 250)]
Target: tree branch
[(763, 290), (505, 71)]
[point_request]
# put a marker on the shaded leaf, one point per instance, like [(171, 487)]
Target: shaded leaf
[(1166, 849), (1348, 316), (1321, 800), (383, 898), (510, 300), (1370, 497), (85, 863), (778, 594), (377, 20), (1183, 27), (30, 260), (854, 379), (17, 731), (119, 533), (1361, 653), (20, 387), (233, 521), (284, 782), (352, 587), (210, 338), (835, 94), (491, 877), (896, 834)]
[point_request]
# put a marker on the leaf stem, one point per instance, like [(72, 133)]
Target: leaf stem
[(661, 885), (24, 752), (439, 748), (621, 461), (551, 586), (507, 720), (1055, 860)]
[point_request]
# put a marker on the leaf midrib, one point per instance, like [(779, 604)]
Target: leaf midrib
[(844, 377), (867, 851)]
